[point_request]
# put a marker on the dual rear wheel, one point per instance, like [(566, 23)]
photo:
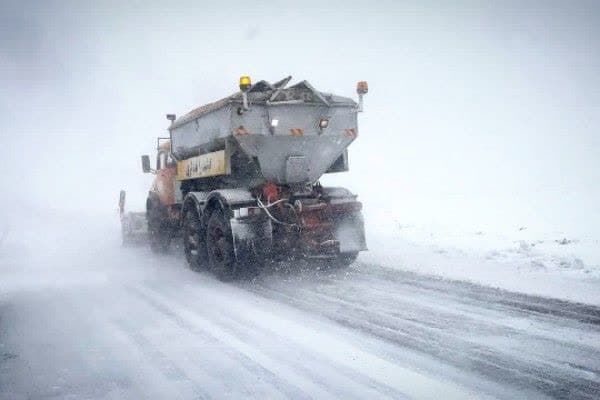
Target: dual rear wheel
[(194, 243), (210, 246)]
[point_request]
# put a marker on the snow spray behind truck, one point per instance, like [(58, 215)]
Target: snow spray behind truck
[(238, 179)]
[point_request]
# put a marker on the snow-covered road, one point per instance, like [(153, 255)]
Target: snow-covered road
[(121, 323)]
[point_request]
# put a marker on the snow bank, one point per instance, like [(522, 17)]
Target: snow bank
[(551, 264)]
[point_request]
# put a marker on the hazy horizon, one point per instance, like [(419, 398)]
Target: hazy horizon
[(479, 115)]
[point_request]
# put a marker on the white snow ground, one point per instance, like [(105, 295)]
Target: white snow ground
[(81, 317)]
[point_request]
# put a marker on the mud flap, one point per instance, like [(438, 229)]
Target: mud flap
[(350, 233), (252, 239)]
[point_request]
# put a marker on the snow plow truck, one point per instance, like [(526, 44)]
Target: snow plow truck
[(238, 180)]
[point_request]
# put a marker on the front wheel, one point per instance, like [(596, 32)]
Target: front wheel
[(219, 243), (159, 232)]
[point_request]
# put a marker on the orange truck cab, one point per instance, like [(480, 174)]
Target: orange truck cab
[(163, 205)]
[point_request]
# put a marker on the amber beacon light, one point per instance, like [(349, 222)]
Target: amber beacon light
[(362, 88), (245, 83)]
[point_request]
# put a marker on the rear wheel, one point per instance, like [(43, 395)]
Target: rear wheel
[(219, 242), (194, 240)]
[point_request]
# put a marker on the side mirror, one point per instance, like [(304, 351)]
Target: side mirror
[(146, 164)]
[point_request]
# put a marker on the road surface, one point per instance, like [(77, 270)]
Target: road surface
[(92, 320)]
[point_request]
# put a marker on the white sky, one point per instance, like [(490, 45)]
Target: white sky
[(480, 115)]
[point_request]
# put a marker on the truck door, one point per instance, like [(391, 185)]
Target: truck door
[(165, 178)]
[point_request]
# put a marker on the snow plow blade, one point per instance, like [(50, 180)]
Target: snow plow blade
[(134, 229)]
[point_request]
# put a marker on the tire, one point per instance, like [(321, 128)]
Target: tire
[(159, 233), (194, 240), (219, 243)]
